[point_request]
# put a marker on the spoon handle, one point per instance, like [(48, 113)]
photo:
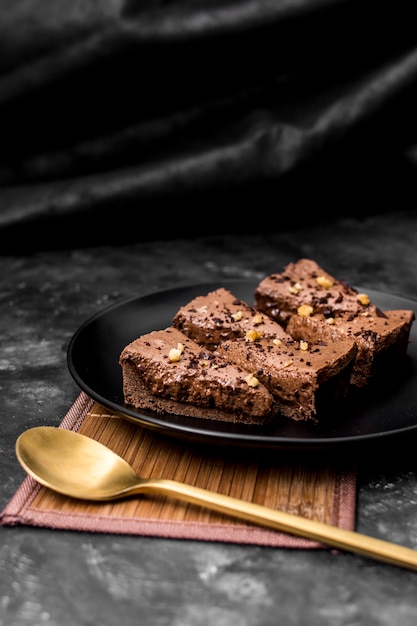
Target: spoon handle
[(294, 524)]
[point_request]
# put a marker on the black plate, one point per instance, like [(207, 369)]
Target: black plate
[(93, 360)]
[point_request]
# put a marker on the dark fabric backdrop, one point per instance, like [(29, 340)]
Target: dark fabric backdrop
[(132, 120)]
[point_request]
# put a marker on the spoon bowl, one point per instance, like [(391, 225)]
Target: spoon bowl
[(78, 466), (74, 465)]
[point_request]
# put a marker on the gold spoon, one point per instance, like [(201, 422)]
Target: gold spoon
[(80, 467)]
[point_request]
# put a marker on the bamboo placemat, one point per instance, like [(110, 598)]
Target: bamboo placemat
[(320, 491)]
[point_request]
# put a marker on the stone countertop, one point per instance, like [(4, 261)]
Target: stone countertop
[(68, 578)]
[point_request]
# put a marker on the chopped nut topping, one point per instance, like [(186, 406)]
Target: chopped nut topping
[(295, 289), (363, 299), (237, 316), (204, 362), (277, 342), (202, 309), (253, 335), (330, 320), (323, 281), (175, 355), (258, 319), (303, 345), (252, 380), (305, 310), (288, 364)]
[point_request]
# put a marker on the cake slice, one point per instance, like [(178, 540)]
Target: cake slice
[(382, 338), (165, 371), (308, 380), (305, 299), (218, 315)]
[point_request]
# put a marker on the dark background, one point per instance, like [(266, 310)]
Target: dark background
[(124, 121)]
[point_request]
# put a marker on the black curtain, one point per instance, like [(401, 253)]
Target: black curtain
[(125, 121)]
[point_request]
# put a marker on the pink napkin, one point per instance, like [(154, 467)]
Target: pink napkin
[(325, 493)]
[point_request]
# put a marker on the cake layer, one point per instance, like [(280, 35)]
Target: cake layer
[(308, 380), (211, 318), (167, 372)]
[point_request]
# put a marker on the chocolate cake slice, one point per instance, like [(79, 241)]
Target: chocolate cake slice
[(165, 371), (306, 300), (304, 378), (218, 315), (381, 337), (308, 380)]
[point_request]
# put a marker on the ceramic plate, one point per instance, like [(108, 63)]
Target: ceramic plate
[(93, 361)]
